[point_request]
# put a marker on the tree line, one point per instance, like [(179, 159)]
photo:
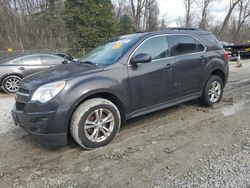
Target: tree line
[(58, 24)]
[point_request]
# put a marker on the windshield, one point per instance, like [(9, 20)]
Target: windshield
[(109, 52)]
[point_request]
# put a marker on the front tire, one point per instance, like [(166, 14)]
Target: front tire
[(213, 91), (95, 123), (10, 84)]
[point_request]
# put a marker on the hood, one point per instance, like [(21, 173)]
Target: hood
[(62, 72)]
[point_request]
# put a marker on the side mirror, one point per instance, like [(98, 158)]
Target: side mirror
[(65, 62), (141, 58)]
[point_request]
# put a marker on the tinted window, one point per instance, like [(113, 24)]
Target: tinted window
[(31, 60), (212, 42), (199, 46), (50, 60), (156, 47), (181, 44)]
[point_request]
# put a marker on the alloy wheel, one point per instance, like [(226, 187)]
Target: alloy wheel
[(99, 125), (12, 84), (214, 91)]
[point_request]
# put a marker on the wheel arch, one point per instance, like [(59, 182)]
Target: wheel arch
[(219, 72), (100, 94), (10, 74)]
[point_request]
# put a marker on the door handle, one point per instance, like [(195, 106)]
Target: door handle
[(21, 68), (169, 66)]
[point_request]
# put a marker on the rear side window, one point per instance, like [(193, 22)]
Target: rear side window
[(31, 60), (156, 47), (50, 60), (211, 41), (181, 44)]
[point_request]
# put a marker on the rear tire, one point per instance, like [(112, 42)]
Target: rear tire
[(213, 91), (95, 123), (10, 84)]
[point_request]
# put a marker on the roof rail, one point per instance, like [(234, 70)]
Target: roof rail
[(183, 28)]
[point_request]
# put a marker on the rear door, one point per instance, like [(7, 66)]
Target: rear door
[(152, 83), (190, 61)]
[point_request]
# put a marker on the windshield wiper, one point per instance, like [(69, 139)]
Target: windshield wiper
[(87, 63)]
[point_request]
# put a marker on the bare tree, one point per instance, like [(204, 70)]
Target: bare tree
[(244, 13), (150, 15), (205, 6), (232, 6), (137, 10), (188, 5)]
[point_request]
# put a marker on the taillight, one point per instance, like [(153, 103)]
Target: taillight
[(226, 56)]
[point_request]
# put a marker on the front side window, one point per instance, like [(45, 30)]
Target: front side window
[(156, 47), (31, 60), (16, 61), (181, 44)]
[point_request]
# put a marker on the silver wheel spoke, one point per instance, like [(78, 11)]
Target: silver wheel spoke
[(93, 135), (98, 114), (89, 124), (108, 119), (105, 132)]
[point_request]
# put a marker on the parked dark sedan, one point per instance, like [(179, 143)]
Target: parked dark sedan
[(13, 69)]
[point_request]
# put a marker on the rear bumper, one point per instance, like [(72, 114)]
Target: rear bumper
[(38, 124)]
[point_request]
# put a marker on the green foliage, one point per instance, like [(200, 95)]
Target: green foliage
[(125, 25), (91, 21)]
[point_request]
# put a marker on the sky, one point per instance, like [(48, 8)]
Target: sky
[(175, 8)]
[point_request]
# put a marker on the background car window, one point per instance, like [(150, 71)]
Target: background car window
[(50, 60), (181, 44), (16, 61), (156, 47), (31, 60)]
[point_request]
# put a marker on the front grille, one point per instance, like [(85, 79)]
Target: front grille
[(20, 106)]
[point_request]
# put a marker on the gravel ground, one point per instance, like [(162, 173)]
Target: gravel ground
[(183, 146)]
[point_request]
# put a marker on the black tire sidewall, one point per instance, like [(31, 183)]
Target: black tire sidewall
[(205, 97), (81, 133)]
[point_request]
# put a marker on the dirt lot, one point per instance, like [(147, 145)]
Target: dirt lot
[(184, 146)]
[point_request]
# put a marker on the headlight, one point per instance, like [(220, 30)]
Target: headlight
[(46, 92)]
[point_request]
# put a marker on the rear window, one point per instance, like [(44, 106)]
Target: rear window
[(211, 42), (182, 44)]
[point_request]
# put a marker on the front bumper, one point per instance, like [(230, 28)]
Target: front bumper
[(41, 126)]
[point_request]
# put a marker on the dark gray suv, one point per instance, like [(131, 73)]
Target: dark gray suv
[(124, 78), (13, 69)]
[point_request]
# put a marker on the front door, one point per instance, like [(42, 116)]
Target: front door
[(154, 82)]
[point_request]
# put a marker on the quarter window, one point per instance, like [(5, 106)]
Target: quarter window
[(50, 60), (156, 47), (181, 44)]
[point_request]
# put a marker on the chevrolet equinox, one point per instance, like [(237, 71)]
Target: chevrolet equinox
[(126, 77)]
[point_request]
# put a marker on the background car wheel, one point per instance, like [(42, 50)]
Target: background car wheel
[(10, 84), (213, 91), (95, 123)]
